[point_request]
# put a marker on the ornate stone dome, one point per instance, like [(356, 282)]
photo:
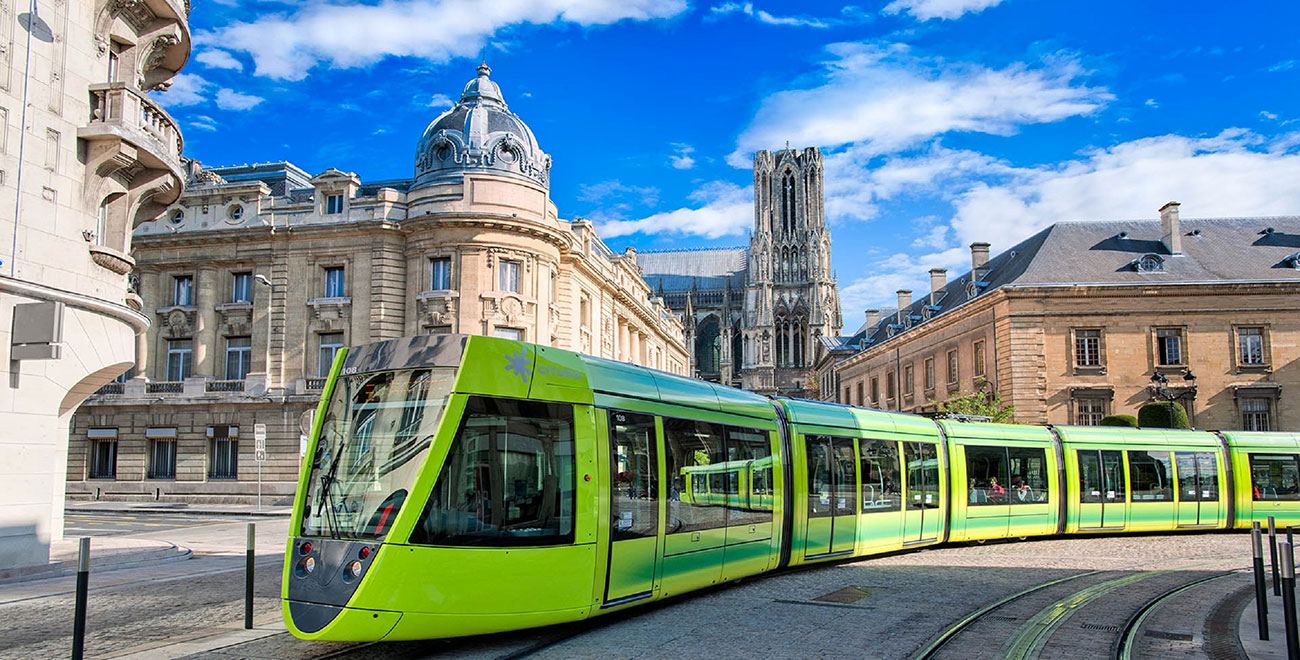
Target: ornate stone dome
[(479, 133)]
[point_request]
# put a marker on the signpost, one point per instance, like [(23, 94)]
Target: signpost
[(259, 438)]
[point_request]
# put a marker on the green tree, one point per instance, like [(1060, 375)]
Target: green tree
[(981, 403), (1119, 420), (1163, 415)]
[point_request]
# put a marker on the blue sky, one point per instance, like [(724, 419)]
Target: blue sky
[(942, 121)]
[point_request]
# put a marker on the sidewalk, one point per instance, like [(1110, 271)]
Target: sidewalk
[(177, 508)]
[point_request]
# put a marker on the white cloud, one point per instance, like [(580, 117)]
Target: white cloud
[(219, 59), (887, 98), (1152, 103), (1271, 116), (1284, 65), (681, 158), (1236, 173), (924, 10), (440, 101), (726, 210), (617, 191), (203, 123), (747, 8), (186, 89), (229, 99), (349, 34)]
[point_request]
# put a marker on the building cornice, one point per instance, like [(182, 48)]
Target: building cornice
[(138, 322)]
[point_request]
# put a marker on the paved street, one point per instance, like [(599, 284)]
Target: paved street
[(117, 524), (1083, 592)]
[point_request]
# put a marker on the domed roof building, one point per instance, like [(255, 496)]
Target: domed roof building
[(471, 244)]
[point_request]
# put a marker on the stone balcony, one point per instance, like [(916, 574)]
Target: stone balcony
[(131, 137), (255, 387)]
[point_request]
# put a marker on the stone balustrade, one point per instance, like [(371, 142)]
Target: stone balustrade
[(124, 111)]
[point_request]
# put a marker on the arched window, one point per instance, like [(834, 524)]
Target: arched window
[(787, 202), (101, 223)]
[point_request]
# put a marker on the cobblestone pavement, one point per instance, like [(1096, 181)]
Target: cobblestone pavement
[(885, 607)]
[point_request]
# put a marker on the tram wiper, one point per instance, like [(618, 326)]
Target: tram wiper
[(325, 501)]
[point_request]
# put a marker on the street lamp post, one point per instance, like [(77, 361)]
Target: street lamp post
[(260, 454), (1160, 390)]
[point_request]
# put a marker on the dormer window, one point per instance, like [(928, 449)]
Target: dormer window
[(1293, 261), (333, 204), (1148, 263)]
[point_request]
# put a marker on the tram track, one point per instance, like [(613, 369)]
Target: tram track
[(1126, 644)]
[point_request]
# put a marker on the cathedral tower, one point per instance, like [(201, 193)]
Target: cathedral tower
[(791, 300)]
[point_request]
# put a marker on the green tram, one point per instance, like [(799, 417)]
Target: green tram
[(458, 485)]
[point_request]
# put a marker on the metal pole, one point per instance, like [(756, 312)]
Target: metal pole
[(1272, 551), (259, 485), (79, 613), (248, 579), (1288, 601), (1261, 593)]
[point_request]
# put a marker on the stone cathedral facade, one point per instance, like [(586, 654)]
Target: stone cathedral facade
[(755, 316)]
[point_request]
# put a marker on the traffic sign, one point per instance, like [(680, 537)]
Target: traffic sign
[(260, 455), (259, 437)]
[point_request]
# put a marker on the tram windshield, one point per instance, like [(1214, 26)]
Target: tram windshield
[(373, 440)]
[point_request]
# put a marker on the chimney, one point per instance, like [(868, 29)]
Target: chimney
[(904, 301), (979, 258), (938, 278), (873, 317), (1173, 234)]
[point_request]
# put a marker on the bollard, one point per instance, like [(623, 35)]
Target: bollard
[(79, 611), (248, 579), (1288, 600), (1272, 551), (1261, 594)]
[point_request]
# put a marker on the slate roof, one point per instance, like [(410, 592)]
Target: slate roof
[(280, 176), (1084, 253), (705, 268)]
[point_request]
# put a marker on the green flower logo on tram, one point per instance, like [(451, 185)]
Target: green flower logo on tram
[(518, 364)]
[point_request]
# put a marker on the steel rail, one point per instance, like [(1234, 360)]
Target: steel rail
[(1128, 635)]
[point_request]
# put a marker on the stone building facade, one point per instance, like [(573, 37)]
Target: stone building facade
[(755, 317), (86, 154), (258, 274), (1088, 319)]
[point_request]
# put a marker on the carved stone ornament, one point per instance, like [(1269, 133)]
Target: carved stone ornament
[(179, 323)]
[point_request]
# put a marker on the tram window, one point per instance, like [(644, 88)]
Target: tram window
[(1028, 483), (715, 482), (634, 506), (1275, 476), (922, 475), (508, 478), (881, 479), (846, 476), (1208, 472), (1151, 474), (695, 449), (1090, 481), (749, 455), (986, 474), (820, 486), (1198, 476)]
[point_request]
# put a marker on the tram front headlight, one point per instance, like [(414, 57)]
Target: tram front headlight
[(308, 564), (353, 570)]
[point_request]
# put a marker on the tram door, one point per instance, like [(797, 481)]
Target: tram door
[(923, 516), (1102, 491), (832, 496), (1198, 488), (634, 505)]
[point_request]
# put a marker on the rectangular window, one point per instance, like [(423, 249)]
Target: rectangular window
[(516, 334), (1087, 348), (749, 478), (922, 461), (508, 276), (334, 282), (440, 274), (1151, 475), (239, 357), (953, 373), (881, 476), (1250, 347), (330, 343), (890, 391), (929, 373), (1255, 414), (979, 359), (692, 448), (223, 453), (832, 476), (986, 472), (1169, 347), (634, 502), (180, 359), (241, 287), (183, 290), (162, 458), (908, 385), (1198, 476), (1028, 475), (103, 453), (860, 403), (1089, 411), (1275, 477), (875, 392), (509, 478), (334, 204), (584, 311), (1101, 477)]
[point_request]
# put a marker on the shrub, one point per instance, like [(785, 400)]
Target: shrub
[(1119, 420), (1163, 415)]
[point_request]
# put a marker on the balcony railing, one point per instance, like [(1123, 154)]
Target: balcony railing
[(165, 387), (224, 386), (111, 388), (315, 384), (130, 114)]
